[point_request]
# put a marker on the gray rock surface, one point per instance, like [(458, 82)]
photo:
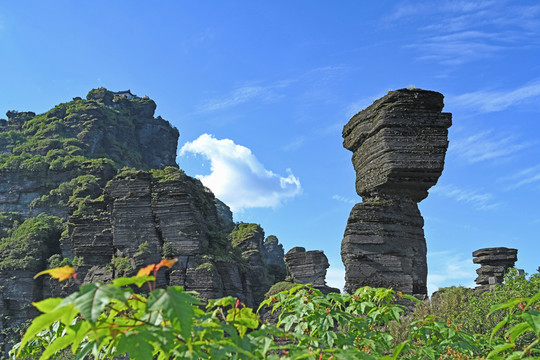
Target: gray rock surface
[(494, 264), (398, 144), (308, 267)]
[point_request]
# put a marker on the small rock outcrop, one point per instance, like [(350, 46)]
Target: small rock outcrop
[(274, 254), (399, 145), (308, 267), (494, 264), (264, 268)]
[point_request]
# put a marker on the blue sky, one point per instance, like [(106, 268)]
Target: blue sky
[(260, 93)]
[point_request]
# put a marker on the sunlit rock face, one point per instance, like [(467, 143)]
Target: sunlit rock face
[(399, 145)]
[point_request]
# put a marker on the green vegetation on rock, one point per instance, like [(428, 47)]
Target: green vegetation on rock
[(30, 245), (122, 265), (168, 174), (279, 287), (244, 231), (169, 252)]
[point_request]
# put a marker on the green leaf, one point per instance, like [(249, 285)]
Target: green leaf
[(92, 302), (177, 305), (533, 299), (498, 326), (499, 349), (40, 323), (515, 331), (137, 280), (58, 344), (84, 351), (398, 349), (48, 305), (509, 304), (137, 345), (81, 329), (533, 319)]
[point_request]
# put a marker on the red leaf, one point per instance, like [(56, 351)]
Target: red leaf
[(166, 262), (145, 271)]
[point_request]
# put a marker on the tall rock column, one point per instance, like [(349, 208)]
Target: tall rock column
[(398, 144)]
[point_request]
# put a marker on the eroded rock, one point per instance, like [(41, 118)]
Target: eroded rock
[(494, 264), (398, 144)]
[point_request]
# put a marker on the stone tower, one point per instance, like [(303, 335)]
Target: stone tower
[(398, 144), (494, 264)]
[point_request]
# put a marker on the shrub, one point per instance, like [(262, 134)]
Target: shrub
[(122, 264), (169, 251)]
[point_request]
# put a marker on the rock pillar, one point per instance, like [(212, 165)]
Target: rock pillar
[(308, 267), (494, 264), (398, 144)]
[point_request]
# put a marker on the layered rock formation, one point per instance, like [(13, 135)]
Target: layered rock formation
[(398, 144), (274, 258), (81, 137), (264, 268), (308, 267), (494, 264), (66, 197)]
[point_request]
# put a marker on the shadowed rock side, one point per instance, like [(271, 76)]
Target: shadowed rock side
[(494, 264), (398, 144), (264, 268)]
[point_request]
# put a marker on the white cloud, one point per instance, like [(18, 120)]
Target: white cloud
[(345, 200), (450, 269), (335, 277), (490, 100), (295, 144), (486, 146), (244, 94), (525, 177), (238, 96), (465, 31), (480, 201), (409, 10), (238, 178)]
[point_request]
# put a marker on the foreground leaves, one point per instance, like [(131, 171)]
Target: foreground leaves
[(109, 320)]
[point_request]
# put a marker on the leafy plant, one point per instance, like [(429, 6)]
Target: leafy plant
[(110, 320)]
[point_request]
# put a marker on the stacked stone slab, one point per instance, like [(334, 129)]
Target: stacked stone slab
[(494, 264), (399, 145), (308, 267)]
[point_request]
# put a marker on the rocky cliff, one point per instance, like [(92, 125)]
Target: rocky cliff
[(94, 184), (398, 144)]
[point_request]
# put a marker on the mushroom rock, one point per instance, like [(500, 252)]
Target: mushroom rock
[(399, 145)]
